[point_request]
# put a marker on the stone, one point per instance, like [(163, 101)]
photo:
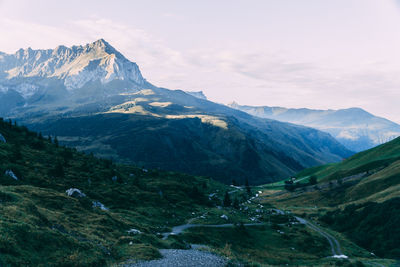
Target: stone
[(74, 192), (11, 174), (98, 204)]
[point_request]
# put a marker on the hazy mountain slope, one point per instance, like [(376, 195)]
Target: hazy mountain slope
[(112, 111), (355, 128), (175, 131)]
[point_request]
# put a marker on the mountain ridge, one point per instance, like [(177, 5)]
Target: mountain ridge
[(354, 127), (169, 129), (76, 65)]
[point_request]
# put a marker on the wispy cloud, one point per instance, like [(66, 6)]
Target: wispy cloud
[(253, 75)]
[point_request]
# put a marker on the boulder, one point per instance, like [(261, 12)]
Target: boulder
[(223, 216), (134, 231), (74, 192), (98, 204), (11, 174)]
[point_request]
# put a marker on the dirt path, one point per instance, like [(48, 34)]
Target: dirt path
[(335, 246)]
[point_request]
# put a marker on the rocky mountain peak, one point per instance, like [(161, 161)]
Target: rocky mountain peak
[(75, 66)]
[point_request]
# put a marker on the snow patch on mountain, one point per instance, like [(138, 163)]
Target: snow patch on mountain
[(77, 65)]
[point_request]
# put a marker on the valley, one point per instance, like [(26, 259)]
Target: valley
[(354, 128), (93, 98), (99, 167)]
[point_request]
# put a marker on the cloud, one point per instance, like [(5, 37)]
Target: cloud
[(249, 75)]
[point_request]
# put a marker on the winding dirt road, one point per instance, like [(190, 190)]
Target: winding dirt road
[(335, 246)]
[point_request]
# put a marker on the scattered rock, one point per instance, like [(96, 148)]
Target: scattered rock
[(114, 178), (339, 256), (11, 174), (145, 170), (2, 139), (223, 216), (183, 258), (134, 231), (98, 204), (74, 192)]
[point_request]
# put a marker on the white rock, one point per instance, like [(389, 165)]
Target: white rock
[(134, 231), (223, 216), (11, 174), (340, 256), (98, 204), (74, 192)]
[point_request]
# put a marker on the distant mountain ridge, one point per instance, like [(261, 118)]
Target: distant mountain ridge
[(355, 128), (95, 99)]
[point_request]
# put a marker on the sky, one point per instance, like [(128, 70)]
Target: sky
[(317, 54)]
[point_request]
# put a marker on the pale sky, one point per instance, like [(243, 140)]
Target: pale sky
[(324, 54)]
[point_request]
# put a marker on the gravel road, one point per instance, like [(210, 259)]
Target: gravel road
[(183, 258)]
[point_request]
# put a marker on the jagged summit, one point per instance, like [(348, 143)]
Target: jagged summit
[(75, 66)]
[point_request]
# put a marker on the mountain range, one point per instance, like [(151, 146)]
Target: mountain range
[(355, 128), (62, 207), (93, 98)]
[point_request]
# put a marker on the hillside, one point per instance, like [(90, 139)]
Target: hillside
[(64, 208), (359, 197), (355, 128), (112, 111), (91, 226)]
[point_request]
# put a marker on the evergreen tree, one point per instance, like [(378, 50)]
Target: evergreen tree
[(56, 141), (227, 200), (248, 189), (16, 152), (58, 170), (195, 193), (313, 180), (235, 203)]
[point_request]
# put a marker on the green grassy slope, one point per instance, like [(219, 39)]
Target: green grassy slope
[(359, 197), (40, 225), (53, 227), (369, 160)]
